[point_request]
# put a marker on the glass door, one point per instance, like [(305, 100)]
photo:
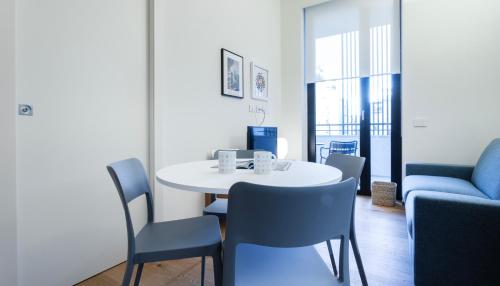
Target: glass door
[(352, 52), (337, 118)]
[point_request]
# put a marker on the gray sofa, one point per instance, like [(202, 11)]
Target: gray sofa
[(453, 219)]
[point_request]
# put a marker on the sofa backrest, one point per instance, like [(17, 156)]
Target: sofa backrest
[(486, 175)]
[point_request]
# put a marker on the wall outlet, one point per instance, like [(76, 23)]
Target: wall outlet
[(25, 110), (256, 109)]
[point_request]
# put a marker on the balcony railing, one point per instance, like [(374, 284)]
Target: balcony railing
[(352, 129)]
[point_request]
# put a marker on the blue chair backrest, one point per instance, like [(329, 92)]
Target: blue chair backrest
[(285, 217), (340, 147), (240, 154), (351, 166), (486, 175), (131, 182)]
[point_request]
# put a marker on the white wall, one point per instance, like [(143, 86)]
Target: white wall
[(83, 65), (451, 69), (294, 123), (8, 216), (192, 117)]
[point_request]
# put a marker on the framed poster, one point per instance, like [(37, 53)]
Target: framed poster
[(231, 74), (260, 83)]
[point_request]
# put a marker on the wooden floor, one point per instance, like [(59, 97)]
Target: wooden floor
[(382, 240)]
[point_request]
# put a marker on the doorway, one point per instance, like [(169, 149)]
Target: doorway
[(354, 85)]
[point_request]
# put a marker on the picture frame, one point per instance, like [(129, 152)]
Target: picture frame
[(232, 74), (260, 82)]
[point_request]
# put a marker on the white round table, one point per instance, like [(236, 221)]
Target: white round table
[(201, 177)]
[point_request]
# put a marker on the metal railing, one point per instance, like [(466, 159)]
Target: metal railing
[(352, 129)]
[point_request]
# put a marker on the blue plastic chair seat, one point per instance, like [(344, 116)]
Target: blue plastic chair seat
[(217, 208), (178, 239), (194, 237), (268, 266)]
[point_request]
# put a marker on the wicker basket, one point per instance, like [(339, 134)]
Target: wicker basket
[(384, 194)]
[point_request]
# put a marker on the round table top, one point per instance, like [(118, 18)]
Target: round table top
[(200, 176)]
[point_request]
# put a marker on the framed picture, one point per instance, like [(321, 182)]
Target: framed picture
[(260, 83), (232, 74)]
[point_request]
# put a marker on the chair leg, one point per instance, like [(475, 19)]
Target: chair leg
[(354, 243), (357, 256), (138, 274), (129, 270), (217, 259), (202, 271), (332, 258), (344, 261)]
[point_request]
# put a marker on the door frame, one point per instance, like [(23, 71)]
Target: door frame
[(365, 137), (364, 134)]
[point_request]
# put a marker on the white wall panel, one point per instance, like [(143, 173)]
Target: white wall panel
[(83, 66)]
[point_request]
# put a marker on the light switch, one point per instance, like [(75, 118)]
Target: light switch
[(420, 122)]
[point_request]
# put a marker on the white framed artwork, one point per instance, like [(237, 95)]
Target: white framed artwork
[(260, 82)]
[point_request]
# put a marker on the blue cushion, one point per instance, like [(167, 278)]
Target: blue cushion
[(440, 184), (417, 183), (486, 175)]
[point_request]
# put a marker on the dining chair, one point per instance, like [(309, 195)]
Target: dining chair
[(271, 233), (178, 239), (240, 154), (339, 147), (218, 206), (351, 167)]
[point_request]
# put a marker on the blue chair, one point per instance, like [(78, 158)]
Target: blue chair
[(271, 233), (240, 154), (351, 167), (193, 237), (218, 206), (339, 147)]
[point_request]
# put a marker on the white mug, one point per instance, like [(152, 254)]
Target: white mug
[(227, 162), (263, 162)]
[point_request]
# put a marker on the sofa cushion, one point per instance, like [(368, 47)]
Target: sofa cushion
[(412, 185), (486, 175), (440, 184)]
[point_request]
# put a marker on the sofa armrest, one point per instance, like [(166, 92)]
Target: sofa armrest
[(456, 240), (444, 170)]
